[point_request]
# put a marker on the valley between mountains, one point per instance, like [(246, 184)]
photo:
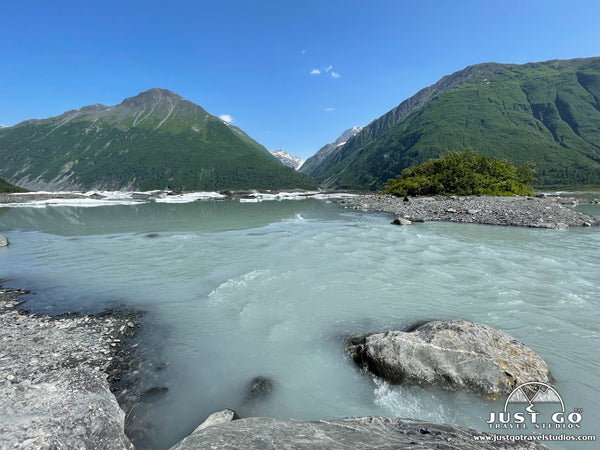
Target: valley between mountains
[(546, 113)]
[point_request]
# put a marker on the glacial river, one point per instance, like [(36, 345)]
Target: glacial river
[(235, 290)]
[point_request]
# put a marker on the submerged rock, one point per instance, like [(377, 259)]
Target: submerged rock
[(454, 355), (222, 430), (153, 394), (401, 221), (259, 388)]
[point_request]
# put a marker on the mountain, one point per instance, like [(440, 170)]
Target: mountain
[(314, 161), (154, 140), (546, 112), (5, 186), (288, 160)]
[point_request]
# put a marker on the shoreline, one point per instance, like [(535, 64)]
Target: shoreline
[(58, 376), (548, 210), (533, 212), (545, 210)]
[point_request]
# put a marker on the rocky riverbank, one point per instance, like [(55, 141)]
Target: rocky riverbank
[(34, 196), (535, 212), (55, 375)]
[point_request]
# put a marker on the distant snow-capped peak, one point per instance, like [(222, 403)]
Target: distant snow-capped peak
[(288, 160), (347, 135)]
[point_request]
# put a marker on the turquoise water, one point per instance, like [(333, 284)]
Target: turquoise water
[(237, 290)]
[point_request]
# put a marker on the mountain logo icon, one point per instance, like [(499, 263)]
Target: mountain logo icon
[(533, 393)]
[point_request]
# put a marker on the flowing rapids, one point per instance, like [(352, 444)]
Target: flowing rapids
[(235, 290)]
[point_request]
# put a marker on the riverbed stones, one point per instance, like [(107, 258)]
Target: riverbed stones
[(382, 433), (451, 354), (536, 212)]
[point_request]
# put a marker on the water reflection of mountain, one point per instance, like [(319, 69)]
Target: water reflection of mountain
[(200, 216)]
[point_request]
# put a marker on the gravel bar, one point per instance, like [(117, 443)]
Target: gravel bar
[(536, 212)]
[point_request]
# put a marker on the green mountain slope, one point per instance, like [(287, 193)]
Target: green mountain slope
[(547, 113), (155, 140), (5, 186)]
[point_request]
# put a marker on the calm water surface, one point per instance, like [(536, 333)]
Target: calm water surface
[(237, 290)]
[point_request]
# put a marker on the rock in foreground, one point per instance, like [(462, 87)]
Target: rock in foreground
[(453, 355), (54, 391), (223, 431)]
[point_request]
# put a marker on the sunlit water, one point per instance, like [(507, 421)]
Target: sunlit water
[(236, 290)]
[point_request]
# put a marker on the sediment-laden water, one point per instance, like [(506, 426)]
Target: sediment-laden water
[(236, 290)]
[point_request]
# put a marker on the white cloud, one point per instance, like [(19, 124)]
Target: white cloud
[(226, 118), (328, 69), (329, 109)]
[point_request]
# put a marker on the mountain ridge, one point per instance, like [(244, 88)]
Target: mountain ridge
[(153, 140), (536, 111), (311, 163)]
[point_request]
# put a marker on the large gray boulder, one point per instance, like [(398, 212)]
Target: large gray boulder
[(54, 392), (454, 355), (65, 408), (383, 433)]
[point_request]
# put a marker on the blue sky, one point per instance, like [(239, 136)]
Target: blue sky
[(292, 74)]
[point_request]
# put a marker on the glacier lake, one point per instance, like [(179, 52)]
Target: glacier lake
[(235, 289)]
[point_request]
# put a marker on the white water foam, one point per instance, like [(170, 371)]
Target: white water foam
[(231, 287)]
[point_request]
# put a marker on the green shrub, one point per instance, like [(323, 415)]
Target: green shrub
[(463, 173)]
